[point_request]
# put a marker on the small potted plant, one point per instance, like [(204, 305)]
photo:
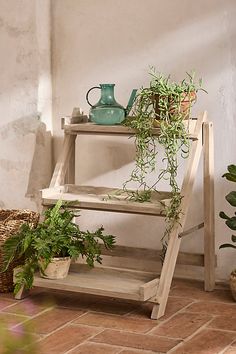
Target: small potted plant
[(51, 246), (164, 104), (231, 222)]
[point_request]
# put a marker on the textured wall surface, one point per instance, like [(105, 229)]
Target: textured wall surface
[(116, 41), (25, 162)]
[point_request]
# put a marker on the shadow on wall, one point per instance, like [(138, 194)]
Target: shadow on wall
[(25, 161), (41, 168)]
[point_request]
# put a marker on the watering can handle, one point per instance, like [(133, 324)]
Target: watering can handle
[(131, 102), (87, 94)]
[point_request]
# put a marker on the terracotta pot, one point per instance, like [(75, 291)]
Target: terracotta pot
[(185, 106), (57, 269), (232, 283)]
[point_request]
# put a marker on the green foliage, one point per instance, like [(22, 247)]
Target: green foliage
[(56, 236), (17, 341), (231, 174), (161, 105), (231, 199)]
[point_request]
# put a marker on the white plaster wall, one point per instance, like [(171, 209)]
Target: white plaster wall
[(25, 101), (116, 41)]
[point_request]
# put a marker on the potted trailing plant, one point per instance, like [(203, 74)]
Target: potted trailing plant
[(54, 242), (231, 222), (164, 104)]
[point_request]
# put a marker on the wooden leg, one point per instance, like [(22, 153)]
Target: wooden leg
[(22, 293), (167, 274), (154, 315), (70, 174), (174, 240), (209, 212)]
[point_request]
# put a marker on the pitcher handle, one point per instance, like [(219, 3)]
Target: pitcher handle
[(87, 94)]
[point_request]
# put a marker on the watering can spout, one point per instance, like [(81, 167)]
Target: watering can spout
[(131, 102)]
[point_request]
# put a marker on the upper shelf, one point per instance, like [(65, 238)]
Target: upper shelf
[(106, 199), (92, 128)]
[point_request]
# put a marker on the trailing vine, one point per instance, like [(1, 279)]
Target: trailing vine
[(166, 105)]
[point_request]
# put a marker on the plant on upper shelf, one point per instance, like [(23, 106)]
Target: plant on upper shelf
[(165, 105), (55, 237), (230, 221)]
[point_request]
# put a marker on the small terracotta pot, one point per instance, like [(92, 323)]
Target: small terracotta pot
[(185, 106), (58, 268), (232, 283)]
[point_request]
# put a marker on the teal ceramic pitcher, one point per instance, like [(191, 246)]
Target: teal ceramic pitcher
[(107, 111)]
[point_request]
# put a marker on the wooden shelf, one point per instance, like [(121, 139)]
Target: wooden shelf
[(106, 199), (92, 128), (132, 285)]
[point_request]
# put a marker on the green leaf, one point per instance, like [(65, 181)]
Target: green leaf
[(231, 223), (227, 245), (230, 177), (231, 198), (223, 215), (232, 169), (233, 238)]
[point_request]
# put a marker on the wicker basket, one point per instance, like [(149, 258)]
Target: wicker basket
[(10, 222)]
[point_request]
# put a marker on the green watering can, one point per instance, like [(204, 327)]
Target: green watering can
[(107, 111)]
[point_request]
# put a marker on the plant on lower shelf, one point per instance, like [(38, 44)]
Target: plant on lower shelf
[(166, 105), (230, 221), (56, 236)]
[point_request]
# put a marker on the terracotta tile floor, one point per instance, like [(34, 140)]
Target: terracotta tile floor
[(195, 322)]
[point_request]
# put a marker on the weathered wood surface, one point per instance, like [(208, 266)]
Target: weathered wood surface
[(103, 281), (145, 254), (174, 240), (92, 128), (209, 206), (106, 199)]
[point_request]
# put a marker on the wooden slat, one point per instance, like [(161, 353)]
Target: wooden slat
[(209, 209), (103, 281), (92, 128), (184, 258), (96, 198), (149, 289), (191, 230)]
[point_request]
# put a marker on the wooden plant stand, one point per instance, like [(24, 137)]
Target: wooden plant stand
[(127, 283)]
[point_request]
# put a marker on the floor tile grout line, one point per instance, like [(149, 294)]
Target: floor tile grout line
[(85, 341), (169, 318), (14, 314), (69, 323), (114, 315), (185, 340), (228, 346), (222, 330), (34, 316)]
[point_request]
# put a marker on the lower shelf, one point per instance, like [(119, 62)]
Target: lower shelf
[(112, 282)]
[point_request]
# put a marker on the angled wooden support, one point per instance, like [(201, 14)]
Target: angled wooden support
[(174, 241), (209, 210), (62, 165), (191, 230)]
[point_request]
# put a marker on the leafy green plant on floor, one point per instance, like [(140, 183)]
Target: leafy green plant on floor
[(230, 221), (56, 236), (165, 105), (20, 340)]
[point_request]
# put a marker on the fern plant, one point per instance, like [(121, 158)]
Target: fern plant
[(56, 236)]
